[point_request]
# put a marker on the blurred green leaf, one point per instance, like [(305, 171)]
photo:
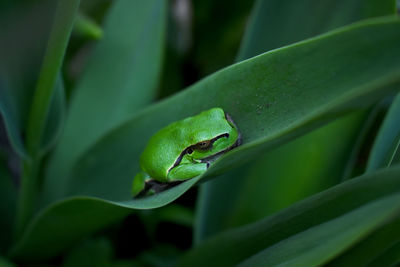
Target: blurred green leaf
[(391, 257), (217, 31), (160, 256), (90, 253), (88, 28), (24, 35), (277, 179), (318, 244), (385, 150), (55, 117), (270, 28), (12, 124), (234, 246), (41, 103), (121, 77), (85, 215), (355, 165), (282, 176), (177, 214), (5, 263), (371, 247), (54, 120), (296, 105), (173, 213), (295, 170), (8, 198)]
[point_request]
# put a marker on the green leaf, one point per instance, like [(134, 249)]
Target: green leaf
[(8, 200), (233, 246), (96, 252), (281, 176), (174, 213), (216, 40), (120, 78), (5, 263), (299, 104), (49, 74), (55, 117), (266, 179), (87, 28), (43, 98), (316, 17), (391, 257), (264, 104), (257, 82), (12, 124), (19, 71), (44, 238), (385, 150), (317, 245), (353, 168), (53, 126), (164, 255), (372, 247)]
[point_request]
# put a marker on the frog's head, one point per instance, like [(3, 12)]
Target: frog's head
[(212, 133)]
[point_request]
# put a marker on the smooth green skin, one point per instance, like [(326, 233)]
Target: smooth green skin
[(160, 158)]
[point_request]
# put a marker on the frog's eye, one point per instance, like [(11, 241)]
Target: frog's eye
[(203, 145)]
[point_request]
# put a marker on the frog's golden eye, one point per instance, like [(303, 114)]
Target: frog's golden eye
[(203, 145)]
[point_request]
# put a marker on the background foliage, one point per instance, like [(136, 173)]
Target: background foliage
[(311, 85)]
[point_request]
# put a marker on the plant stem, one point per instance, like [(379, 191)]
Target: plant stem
[(56, 46)]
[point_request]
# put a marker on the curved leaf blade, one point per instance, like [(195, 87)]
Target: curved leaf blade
[(55, 117), (85, 215), (265, 180), (5, 263), (8, 203), (11, 123), (391, 257), (373, 247), (234, 246), (319, 244), (121, 77), (385, 150), (278, 178), (315, 17), (19, 71), (268, 105)]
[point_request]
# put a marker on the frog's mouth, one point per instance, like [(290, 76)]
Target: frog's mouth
[(211, 158), (190, 149)]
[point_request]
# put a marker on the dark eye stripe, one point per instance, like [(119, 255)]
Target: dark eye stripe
[(190, 149)]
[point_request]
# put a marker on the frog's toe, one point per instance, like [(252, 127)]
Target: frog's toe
[(139, 183)]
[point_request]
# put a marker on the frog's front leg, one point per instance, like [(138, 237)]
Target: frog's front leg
[(186, 171), (139, 183)]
